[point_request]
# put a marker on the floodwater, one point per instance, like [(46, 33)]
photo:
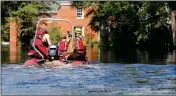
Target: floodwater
[(131, 73)]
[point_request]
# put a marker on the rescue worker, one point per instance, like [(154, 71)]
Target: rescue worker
[(68, 33), (80, 49), (39, 43), (68, 37), (46, 38), (63, 54), (79, 36), (39, 46), (78, 33)]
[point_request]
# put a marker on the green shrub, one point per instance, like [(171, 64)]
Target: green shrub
[(55, 35)]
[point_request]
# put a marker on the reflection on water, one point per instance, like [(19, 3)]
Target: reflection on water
[(96, 78), (20, 55), (128, 55), (16, 56), (105, 56), (93, 54)]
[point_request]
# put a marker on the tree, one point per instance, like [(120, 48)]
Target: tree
[(124, 23), (172, 8), (6, 11), (154, 29), (26, 13)]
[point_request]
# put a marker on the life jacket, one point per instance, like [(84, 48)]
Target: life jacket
[(39, 45), (79, 44), (80, 49), (62, 50), (62, 46)]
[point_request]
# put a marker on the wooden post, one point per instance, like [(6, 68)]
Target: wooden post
[(13, 40)]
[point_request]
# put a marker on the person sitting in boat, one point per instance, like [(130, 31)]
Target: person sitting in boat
[(62, 48), (68, 37), (33, 54), (46, 38), (39, 43)]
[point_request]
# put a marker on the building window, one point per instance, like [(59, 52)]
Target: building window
[(79, 13), (82, 29)]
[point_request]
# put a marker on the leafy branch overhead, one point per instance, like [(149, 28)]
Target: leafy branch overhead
[(132, 23), (119, 22)]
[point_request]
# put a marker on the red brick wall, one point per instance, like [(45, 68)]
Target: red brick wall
[(69, 13), (13, 40), (13, 35)]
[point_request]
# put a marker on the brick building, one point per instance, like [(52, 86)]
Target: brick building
[(77, 18)]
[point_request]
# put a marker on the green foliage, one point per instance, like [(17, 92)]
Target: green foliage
[(89, 42), (5, 29), (92, 43), (124, 23), (55, 35), (6, 11), (26, 13), (154, 23)]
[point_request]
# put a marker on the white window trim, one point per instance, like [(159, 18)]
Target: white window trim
[(82, 14), (82, 31)]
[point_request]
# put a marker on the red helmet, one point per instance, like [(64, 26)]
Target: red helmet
[(40, 32)]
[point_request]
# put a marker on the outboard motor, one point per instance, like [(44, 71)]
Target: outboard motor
[(53, 52)]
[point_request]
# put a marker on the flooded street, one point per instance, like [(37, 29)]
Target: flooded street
[(77, 48), (94, 79), (118, 74)]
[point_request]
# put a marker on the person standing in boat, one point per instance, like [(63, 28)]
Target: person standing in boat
[(46, 38), (80, 48), (79, 36), (78, 33)]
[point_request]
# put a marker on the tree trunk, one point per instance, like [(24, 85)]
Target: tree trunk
[(173, 20)]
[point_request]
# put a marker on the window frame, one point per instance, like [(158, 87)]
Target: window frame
[(82, 12)]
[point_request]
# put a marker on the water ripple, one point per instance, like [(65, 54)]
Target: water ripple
[(93, 79)]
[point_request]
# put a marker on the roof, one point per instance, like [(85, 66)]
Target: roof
[(56, 6), (65, 3), (53, 6)]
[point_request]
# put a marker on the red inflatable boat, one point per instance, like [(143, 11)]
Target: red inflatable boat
[(39, 54)]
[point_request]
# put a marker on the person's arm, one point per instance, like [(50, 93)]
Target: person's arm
[(48, 40)]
